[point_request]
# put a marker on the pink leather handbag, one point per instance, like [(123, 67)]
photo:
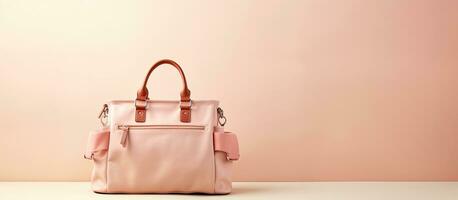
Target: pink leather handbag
[(149, 146)]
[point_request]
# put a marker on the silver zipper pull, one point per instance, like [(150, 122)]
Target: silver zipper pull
[(221, 118), (125, 132)]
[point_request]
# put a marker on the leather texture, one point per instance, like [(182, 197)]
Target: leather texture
[(142, 94), (98, 141), (226, 142), (156, 147), (162, 155)]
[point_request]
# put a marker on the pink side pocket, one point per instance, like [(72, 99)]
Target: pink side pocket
[(98, 141), (226, 142)]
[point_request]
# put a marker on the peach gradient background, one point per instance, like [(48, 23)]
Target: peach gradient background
[(316, 90)]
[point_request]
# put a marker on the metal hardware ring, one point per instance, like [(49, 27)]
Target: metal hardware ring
[(224, 120)]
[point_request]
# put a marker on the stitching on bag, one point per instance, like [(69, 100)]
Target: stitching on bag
[(106, 167), (214, 160), (215, 123), (106, 159)]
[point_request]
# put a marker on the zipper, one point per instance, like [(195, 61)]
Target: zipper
[(126, 129)]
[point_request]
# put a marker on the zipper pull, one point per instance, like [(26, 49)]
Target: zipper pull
[(221, 118), (125, 132), (103, 115)]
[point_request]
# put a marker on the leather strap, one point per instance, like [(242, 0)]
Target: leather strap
[(142, 95)]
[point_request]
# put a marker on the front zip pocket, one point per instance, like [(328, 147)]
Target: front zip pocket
[(127, 128)]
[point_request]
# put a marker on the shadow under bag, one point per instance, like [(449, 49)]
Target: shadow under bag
[(149, 146)]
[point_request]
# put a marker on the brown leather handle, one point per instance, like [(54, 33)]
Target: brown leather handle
[(142, 95)]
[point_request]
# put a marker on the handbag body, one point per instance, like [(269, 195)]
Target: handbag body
[(151, 146)]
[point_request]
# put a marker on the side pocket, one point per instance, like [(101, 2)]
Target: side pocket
[(226, 150), (97, 150), (223, 174), (99, 175)]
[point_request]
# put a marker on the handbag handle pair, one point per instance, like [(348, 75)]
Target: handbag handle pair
[(142, 95)]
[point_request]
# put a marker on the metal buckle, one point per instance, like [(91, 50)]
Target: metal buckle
[(185, 104), (141, 103), (229, 159), (88, 158)]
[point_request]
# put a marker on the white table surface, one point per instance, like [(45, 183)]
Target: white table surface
[(249, 190)]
